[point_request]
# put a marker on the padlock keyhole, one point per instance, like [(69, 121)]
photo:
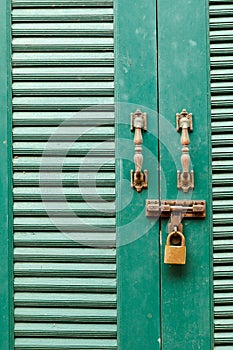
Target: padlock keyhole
[(175, 239)]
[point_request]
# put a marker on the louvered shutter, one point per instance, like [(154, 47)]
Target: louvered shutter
[(221, 21), (64, 210)]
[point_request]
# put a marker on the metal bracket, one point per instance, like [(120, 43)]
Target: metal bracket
[(138, 122), (184, 120), (176, 210), (185, 179)]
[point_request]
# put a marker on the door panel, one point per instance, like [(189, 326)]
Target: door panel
[(64, 180), (137, 238), (221, 80), (6, 236), (184, 83)]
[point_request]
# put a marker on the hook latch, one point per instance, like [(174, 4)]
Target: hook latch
[(176, 210)]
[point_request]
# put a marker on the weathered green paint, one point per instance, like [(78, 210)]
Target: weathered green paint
[(137, 237), (184, 307), (183, 82), (6, 268), (183, 63)]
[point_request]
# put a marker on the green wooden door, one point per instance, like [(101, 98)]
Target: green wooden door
[(66, 292), (57, 102), (162, 66)]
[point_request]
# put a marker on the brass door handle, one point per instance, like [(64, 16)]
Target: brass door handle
[(185, 179), (138, 122)]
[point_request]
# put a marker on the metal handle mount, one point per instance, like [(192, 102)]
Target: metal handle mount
[(139, 179)]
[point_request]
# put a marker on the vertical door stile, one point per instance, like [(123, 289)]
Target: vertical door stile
[(89, 266), (137, 236), (183, 65), (6, 236)]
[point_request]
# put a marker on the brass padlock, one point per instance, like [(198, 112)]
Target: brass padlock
[(175, 254)]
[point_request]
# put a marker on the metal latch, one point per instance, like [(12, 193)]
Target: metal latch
[(176, 210)]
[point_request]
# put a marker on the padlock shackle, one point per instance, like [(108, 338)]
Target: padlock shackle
[(177, 233)]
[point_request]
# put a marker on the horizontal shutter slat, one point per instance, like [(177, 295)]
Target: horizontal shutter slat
[(63, 29), (77, 255), (60, 209), (53, 179), (63, 118), (57, 14), (59, 300), (63, 133), (63, 223), (221, 8), (64, 239), (83, 65), (71, 315), (81, 74), (65, 330), (89, 164), (64, 89), (62, 103), (76, 149), (100, 285), (62, 44), (64, 344), (61, 3), (69, 269)]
